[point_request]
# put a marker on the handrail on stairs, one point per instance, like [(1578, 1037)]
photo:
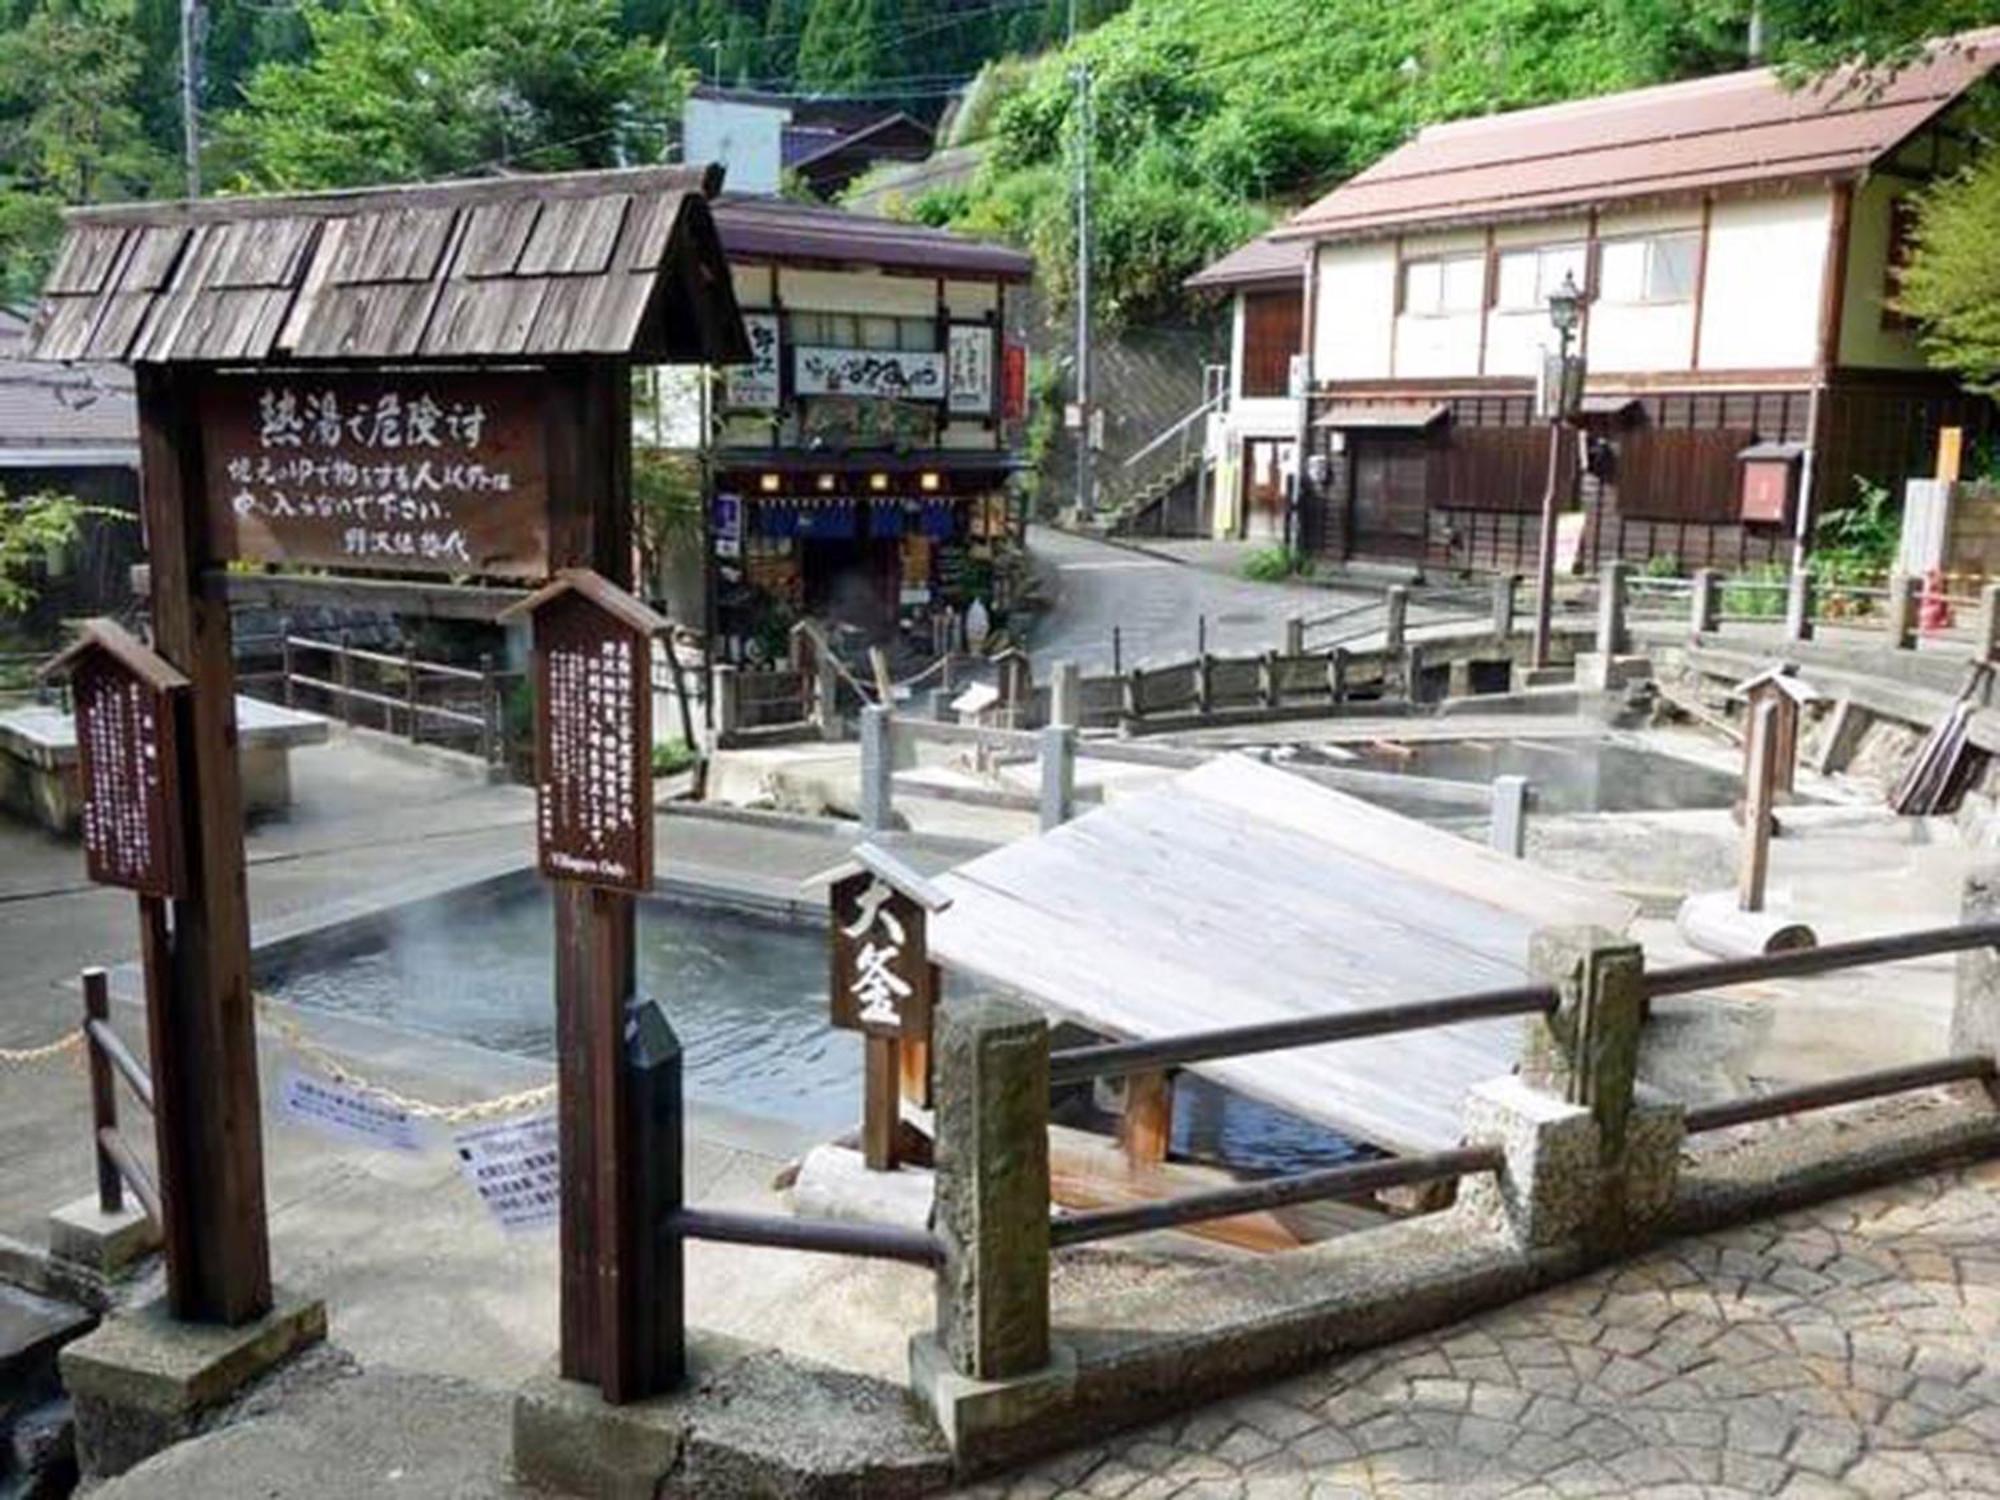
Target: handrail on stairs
[(1161, 439)]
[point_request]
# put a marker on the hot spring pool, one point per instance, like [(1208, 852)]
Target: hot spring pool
[(747, 998)]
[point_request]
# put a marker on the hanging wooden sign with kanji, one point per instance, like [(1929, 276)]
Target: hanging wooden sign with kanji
[(593, 730), (881, 979), (127, 741)]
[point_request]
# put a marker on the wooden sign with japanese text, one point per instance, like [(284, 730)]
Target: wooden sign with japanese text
[(593, 745), (881, 980), (127, 744), (406, 472)]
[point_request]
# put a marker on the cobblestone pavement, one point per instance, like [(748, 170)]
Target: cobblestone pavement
[(1849, 1350)]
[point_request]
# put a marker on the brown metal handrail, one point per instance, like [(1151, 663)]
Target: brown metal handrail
[(1275, 1192), (1848, 1090), (1118, 1059), (827, 1236), (105, 1054), (1795, 963)]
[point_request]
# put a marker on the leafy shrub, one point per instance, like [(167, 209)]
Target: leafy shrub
[(672, 756), (1275, 564)]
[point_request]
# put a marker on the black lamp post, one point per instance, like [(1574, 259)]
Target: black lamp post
[(1565, 314)]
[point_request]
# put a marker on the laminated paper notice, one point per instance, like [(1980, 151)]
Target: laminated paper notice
[(516, 1170), (339, 1110)]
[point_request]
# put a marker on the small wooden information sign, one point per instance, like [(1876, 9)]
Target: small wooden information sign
[(127, 743), (881, 972), (407, 472), (593, 730)]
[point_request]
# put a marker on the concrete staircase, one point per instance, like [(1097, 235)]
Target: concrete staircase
[(37, 1435)]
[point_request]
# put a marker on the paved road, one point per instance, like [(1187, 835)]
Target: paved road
[(1154, 604), (1850, 1350)]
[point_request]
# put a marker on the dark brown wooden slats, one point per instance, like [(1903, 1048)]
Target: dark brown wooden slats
[(261, 253), (1495, 468), (575, 236), (495, 236), (651, 227), (85, 263), (1686, 475), (394, 245), (1273, 324)]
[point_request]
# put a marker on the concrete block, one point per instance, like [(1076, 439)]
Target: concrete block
[(567, 1438), (1654, 1134), (1547, 1192), (142, 1380), (982, 1420), (1975, 1003), (834, 1183), (82, 1234), (1527, 677)]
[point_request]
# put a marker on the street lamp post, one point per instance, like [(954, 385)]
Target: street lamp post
[(1565, 312)]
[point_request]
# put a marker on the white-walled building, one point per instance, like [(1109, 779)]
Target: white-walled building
[(1738, 242)]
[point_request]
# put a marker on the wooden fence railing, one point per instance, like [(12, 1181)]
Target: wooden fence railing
[(109, 1062), (401, 692)]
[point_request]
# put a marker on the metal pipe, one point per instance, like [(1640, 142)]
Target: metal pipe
[(1276, 1192), (1716, 974), (1117, 1059), (112, 1047), (1848, 1090), (875, 1241)]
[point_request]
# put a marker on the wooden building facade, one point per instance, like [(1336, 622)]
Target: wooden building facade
[(1738, 244)]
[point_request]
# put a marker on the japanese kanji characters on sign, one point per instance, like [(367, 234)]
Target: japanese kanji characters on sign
[(413, 472), (593, 731), (126, 739), (881, 980)]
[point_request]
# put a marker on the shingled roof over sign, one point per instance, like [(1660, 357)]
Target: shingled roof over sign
[(577, 264)]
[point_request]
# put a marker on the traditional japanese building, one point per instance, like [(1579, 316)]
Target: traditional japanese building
[(1738, 244), (860, 467)]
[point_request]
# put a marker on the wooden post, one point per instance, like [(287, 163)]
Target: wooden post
[(1611, 609), (1135, 694), (289, 693), (1336, 674), (1506, 592), (1799, 606), (489, 711), (344, 674), (1295, 636), (723, 684), (1395, 614), (103, 1092), (1058, 764), (1201, 635), (1267, 679), (1066, 695), (1203, 683), (646, 1281), (882, 1077), (1987, 646), (1705, 602), (1117, 665), (1508, 831), (201, 1014), (1902, 612), (1147, 1129), (1759, 788), (885, 685)]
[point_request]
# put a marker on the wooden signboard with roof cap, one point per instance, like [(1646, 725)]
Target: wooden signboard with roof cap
[(485, 329)]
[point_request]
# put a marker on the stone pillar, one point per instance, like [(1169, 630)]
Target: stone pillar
[(1986, 645), (1066, 695), (1058, 747), (1902, 611), (993, 1188), (826, 693), (1705, 613), (1506, 593), (1295, 636), (878, 769), (1799, 606), (1611, 609), (1975, 1002), (727, 703), (1586, 1054), (1395, 615), (1508, 832)]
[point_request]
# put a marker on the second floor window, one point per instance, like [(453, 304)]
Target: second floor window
[(1655, 268), (1445, 284), (831, 330), (1527, 276)]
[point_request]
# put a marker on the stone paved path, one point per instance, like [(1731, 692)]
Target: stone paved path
[(1850, 1350)]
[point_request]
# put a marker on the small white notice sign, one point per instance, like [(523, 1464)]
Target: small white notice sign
[(342, 1110), (516, 1169)]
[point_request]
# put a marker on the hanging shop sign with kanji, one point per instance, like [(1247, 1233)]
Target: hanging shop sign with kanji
[(881, 979), (405, 472), (127, 739), (593, 731)]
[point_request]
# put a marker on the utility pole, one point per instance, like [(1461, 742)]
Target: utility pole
[(191, 43), (1086, 487)]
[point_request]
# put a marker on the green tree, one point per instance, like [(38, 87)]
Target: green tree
[(1952, 284), (405, 89), (841, 49), (69, 133)]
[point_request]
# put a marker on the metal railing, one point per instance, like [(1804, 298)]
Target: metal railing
[(474, 710)]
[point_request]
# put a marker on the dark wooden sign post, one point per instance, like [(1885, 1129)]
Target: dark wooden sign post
[(432, 381), (131, 709), (594, 837), (881, 981)]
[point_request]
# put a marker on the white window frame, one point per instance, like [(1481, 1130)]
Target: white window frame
[(1441, 264), (1550, 262), (1650, 244)]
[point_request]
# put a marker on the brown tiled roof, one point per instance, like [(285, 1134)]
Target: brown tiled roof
[(604, 263), (1260, 262), (1675, 140), (763, 228)]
